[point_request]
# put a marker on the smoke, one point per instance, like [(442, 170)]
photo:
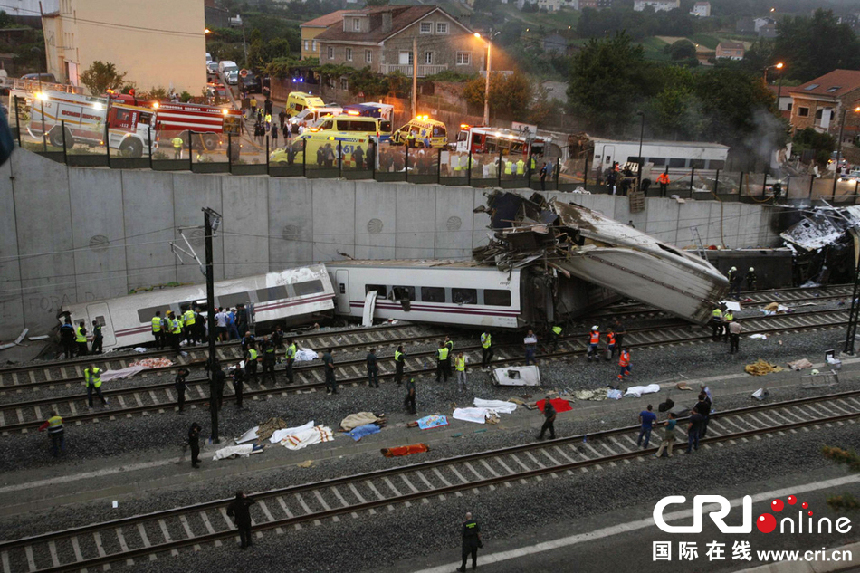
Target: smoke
[(766, 138)]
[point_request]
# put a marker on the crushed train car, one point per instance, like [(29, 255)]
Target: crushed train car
[(578, 242), (825, 245)]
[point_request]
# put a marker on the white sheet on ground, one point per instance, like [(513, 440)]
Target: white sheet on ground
[(243, 450), (732, 305), (476, 415), (121, 373), (248, 436), (305, 438), (500, 406), (305, 354), (640, 390), (279, 435)]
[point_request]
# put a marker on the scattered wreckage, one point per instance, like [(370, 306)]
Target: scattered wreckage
[(825, 245), (572, 241)]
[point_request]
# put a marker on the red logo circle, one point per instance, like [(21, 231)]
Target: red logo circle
[(766, 523), (792, 500), (776, 505)]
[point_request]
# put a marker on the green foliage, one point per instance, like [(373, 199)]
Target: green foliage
[(811, 47), (638, 25), (510, 95), (822, 143), (5, 20), (681, 50), (730, 99), (450, 76), (377, 2), (607, 80), (185, 96), (282, 67), (102, 76), (156, 93), (261, 53)]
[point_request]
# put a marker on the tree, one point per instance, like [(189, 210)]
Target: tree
[(811, 47), (681, 50), (675, 112), (822, 144), (608, 80), (101, 77)]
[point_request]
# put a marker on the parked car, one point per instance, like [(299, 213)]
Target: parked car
[(250, 82), (212, 67), (44, 77), (853, 176)]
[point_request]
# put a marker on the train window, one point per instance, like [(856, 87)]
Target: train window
[(464, 295), (341, 288), (657, 161), (381, 290), (232, 299), (717, 164), (309, 287), (678, 162), (147, 314), (100, 320), (697, 163), (432, 294), (497, 297), (272, 293), (404, 293)]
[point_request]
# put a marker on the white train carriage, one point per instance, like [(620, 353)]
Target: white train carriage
[(291, 296), (445, 292)]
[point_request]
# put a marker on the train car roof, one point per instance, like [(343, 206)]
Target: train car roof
[(412, 264), (666, 143)]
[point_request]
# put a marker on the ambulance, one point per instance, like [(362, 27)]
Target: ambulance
[(423, 128), (297, 101), (349, 131)]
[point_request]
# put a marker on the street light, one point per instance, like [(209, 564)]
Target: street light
[(839, 147), (777, 66), (487, 81)]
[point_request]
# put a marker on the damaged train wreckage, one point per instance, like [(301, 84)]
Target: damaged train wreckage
[(825, 245), (581, 259)]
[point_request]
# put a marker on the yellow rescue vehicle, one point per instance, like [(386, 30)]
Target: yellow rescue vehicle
[(421, 132)]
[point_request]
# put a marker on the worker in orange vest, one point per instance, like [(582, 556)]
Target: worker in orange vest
[(663, 180), (610, 344), (593, 340), (624, 364)]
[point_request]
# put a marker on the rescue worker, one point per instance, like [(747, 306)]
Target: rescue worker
[(663, 180), (509, 168), (409, 402), (460, 371), (251, 363), (751, 279), (239, 511), (278, 338), (399, 363), (372, 369), (521, 168), (449, 344), (291, 357), (174, 331), (734, 283), (98, 339), (194, 442), (177, 147), (593, 341), (620, 331), (158, 329), (471, 541), (544, 172), (239, 385), (549, 414), (716, 323), (555, 336), (54, 425), (487, 349), (269, 360), (181, 375), (610, 344), (624, 364), (247, 341), (441, 361), (532, 166), (728, 318), (190, 319), (530, 342), (92, 377), (67, 338), (81, 339), (330, 380)]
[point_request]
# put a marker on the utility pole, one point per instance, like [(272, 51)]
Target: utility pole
[(414, 77), (487, 80), (213, 220), (851, 334)]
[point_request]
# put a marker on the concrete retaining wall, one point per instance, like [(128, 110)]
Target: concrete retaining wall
[(79, 234)]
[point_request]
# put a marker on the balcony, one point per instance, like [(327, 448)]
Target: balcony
[(406, 69)]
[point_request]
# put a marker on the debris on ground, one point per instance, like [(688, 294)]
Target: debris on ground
[(595, 395), (761, 368), (517, 376), (823, 245), (306, 464), (614, 394), (405, 450), (638, 391), (800, 364), (237, 451), (360, 419), (683, 386), (758, 337), (152, 363), (760, 394)]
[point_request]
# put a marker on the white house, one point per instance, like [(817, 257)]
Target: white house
[(658, 5), (701, 9)]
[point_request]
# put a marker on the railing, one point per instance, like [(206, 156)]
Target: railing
[(423, 69)]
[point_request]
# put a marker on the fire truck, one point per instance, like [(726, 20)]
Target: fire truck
[(208, 123), (86, 120), (493, 141)]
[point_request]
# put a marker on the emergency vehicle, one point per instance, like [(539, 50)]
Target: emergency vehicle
[(350, 131), (372, 109), (492, 140), (297, 101), (209, 122), (423, 128), (85, 119)]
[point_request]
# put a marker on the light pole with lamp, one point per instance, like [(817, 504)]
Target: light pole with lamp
[(489, 69), (839, 148)]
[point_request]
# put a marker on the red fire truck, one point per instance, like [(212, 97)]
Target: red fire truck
[(492, 140), (210, 123)]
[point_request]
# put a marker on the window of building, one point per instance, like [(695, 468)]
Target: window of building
[(497, 297), (464, 295), (789, 106), (428, 57), (464, 58), (441, 28), (819, 114), (330, 52), (368, 56), (432, 294), (349, 54), (426, 28), (307, 45), (405, 58), (344, 84), (803, 111), (356, 25), (313, 45)]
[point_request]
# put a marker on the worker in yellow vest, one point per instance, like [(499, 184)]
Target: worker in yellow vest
[(460, 371), (399, 363), (92, 377), (521, 167), (190, 319), (487, 348), (509, 168), (54, 425), (291, 357), (158, 330), (716, 323), (251, 363), (177, 147), (441, 361), (174, 331), (555, 337), (81, 339)]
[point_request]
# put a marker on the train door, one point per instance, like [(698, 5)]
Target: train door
[(608, 156), (99, 312), (342, 291)]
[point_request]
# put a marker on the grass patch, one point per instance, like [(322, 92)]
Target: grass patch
[(551, 22), (706, 40), (654, 50)]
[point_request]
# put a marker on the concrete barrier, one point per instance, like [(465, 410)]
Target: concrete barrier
[(74, 234)]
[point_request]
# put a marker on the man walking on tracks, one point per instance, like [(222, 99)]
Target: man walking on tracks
[(98, 339), (593, 341), (194, 442), (328, 364), (460, 371), (67, 338), (291, 357), (487, 349), (181, 375), (549, 414), (239, 511), (399, 363), (372, 369), (54, 425), (409, 402), (647, 417), (735, 336), (471, 541), (269, 360), (92, 377), (158, 329)]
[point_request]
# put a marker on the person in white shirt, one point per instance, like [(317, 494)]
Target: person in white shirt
[(221, 324)]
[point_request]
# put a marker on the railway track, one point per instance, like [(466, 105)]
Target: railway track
[(23, 416), (166, 532)]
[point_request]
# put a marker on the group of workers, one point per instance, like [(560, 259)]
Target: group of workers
[(190, 325), (724, 327), (73, 339), (736, 281)]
